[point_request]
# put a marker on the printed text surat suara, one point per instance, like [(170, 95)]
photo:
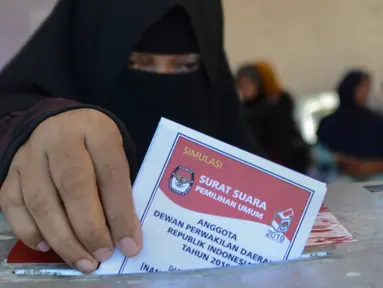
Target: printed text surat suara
[(225, 194)]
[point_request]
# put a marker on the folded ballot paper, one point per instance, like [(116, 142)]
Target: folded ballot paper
[(204, 204)]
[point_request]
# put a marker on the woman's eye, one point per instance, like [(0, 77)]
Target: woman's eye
[(191, 65), (145, 62), (132, 63), (188, 65), (140, 62)]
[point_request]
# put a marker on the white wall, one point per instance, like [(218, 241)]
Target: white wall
[(310, 41), (18, 19)]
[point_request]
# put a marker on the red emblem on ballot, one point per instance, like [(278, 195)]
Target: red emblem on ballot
[(282, 221), (181, 180)]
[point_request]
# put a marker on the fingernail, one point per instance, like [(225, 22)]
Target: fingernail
[(128, 247), (43, 246), (85, 266), (103, 254)]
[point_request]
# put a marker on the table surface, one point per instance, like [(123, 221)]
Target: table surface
[(355, 264)]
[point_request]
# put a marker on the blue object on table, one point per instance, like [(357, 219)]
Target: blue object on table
[(325, 164)]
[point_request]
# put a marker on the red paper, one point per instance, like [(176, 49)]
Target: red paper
[(21, 254), (327, 230)]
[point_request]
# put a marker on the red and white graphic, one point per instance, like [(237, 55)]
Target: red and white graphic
[(282, 221), (227, 191), (181, 180), (328, 230)]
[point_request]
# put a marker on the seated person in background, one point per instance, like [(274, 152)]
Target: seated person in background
[(97, 77), (272, 88), (269, 114), (254, 103), (353, 133)]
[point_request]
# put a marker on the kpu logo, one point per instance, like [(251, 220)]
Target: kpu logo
[(181, 180)]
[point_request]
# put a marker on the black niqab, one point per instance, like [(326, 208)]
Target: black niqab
[(82, 52), (177, 97), (172, 34)]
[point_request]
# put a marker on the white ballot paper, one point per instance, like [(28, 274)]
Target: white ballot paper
[(204, 204)]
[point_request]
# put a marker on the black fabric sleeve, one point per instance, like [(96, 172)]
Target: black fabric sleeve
[(17, 126)]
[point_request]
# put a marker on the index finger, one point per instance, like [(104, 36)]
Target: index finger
[(73, 174), (115, 188)]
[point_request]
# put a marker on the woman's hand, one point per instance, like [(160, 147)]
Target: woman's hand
[(69, 189)]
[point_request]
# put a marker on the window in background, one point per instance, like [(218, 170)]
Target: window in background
[(311, 110)]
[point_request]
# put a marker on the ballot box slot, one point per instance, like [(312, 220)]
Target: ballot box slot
[(374, 188), (64, 271)]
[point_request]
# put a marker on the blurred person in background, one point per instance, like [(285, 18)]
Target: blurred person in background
[(354, 133), (254, 102), (272, 88), (269, 111)]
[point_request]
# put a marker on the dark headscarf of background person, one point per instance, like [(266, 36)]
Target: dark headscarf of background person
[(281, 137), (352, 130), (347, 88), (272, 86), (249, 73), (255, 106), (77, 60)]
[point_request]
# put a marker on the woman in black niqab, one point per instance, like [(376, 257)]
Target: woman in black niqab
[(80, 58), (68, 188)]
